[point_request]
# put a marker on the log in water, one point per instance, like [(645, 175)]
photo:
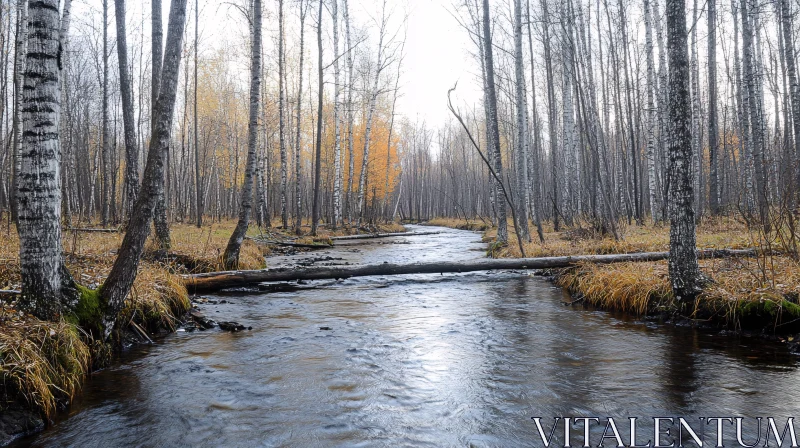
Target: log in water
[(215, 281)]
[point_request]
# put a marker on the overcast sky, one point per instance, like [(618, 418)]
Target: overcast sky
[(437, 55)]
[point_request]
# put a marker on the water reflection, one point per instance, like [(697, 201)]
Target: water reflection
[(417, 360)]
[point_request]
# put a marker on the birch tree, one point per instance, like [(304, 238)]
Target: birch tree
[(492, 127), (297, 141), (48, 289), (522, 134), (684, 272), (120, 280), (131, 148), (231, 257)]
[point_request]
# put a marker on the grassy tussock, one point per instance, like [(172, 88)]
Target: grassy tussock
[(41, 362), (740, 294), (474, 224), (630, 287)]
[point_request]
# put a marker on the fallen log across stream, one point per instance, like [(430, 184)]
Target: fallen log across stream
[(215, 281), (381, 235), (291, 244)]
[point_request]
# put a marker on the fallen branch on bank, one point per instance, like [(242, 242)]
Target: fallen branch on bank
[(91, 229), (215, 281), (291, 244), (381, 235)]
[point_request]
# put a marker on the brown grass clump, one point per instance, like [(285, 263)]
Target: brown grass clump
[(157, 300), (630, 287), (41, 362), (476, 224)]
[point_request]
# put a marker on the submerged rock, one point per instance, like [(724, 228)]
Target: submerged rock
[(232, 326)]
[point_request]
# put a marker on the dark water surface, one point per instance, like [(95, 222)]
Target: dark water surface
[(418, 360)]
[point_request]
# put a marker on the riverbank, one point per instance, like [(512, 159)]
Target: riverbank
[(43, 364), (757, 294)]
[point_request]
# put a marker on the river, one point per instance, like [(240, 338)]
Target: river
[(417, 360)]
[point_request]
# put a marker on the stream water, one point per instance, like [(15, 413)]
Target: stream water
[(417, 360)]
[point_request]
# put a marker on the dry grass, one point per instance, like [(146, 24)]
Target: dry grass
[(711, 234), (630, 287), (200, 250), (476, 224), (41, 362)]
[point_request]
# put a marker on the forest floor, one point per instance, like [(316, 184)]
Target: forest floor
[(752, 294), (42, 364)]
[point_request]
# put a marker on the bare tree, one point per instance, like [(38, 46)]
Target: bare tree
[(231, 257), (123, 273), (131, 147), (684, 271)]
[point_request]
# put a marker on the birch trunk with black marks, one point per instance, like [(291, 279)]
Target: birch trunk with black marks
[(684, 271), (48, 290), (230, 258)]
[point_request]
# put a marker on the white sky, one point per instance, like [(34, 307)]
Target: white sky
[(437, 49), (437, 55)]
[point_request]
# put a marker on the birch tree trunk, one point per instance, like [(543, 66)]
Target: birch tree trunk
[(337, 149), (373, 100), (651, 115), (752, 87), (684, 271), (534, 159), (523, 148), (696, 122), (230, 258), (198, 176), (282, 120), (318, 149), (48, 290), (298, 192), (492, 127), (551, 115), (791, 69), (123, 273), (106, 197), (713, 132), (160, 223), (350, 117), (19, 80), (131, 187)]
